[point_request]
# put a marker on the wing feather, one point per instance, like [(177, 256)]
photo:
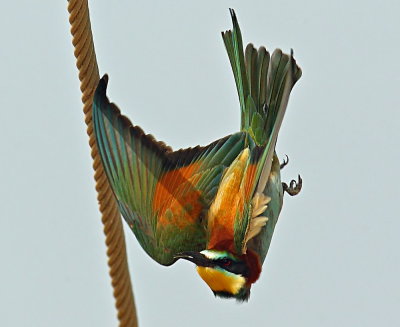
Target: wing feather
[(162, 195)]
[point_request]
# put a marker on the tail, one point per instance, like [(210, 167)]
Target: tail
[(263, 83)]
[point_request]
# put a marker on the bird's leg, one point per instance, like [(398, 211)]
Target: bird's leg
[(285, 162), (294, 188)]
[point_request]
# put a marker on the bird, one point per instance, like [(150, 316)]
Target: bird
[(215, 205)]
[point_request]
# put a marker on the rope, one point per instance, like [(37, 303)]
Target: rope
[(82, 40)]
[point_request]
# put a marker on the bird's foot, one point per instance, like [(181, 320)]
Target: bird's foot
[(294, 187), (285, 162)]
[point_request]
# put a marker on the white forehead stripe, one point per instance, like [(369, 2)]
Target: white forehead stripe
[(212, 254), (215, 255)]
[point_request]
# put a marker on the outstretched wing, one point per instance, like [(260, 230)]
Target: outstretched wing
[(162, 195)]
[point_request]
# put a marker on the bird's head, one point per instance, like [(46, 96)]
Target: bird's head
[(228, 275)]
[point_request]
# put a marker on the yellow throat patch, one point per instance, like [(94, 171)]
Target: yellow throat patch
[(221, 281)]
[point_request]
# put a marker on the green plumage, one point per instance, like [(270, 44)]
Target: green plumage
[(263, 83), (260, 81), (134, 163), (164, 196)]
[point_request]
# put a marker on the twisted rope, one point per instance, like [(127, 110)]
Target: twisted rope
[(82, 40)]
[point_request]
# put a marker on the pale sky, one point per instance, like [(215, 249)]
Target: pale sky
[(334, 259)]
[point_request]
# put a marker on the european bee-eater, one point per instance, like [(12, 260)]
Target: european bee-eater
[(217, 205)]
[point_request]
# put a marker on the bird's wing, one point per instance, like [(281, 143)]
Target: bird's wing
[(162, 195)]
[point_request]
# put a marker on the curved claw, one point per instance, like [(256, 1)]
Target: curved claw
[(285, 162), (294, 188)]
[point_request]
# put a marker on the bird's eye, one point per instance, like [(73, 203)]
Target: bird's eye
[(226, 262)]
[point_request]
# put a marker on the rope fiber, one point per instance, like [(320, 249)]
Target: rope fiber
[(82, 40)]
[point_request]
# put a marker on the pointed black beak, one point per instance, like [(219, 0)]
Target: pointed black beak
[(195, 257)]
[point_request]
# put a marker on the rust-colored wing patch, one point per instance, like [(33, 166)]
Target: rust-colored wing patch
[(176, 199)]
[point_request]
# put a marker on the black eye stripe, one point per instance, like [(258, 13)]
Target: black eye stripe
[(236, 267), (225, 262)]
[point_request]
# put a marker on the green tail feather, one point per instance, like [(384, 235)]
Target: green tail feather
[(260, 81)]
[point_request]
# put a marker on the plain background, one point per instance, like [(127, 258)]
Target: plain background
[(334, 259)]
